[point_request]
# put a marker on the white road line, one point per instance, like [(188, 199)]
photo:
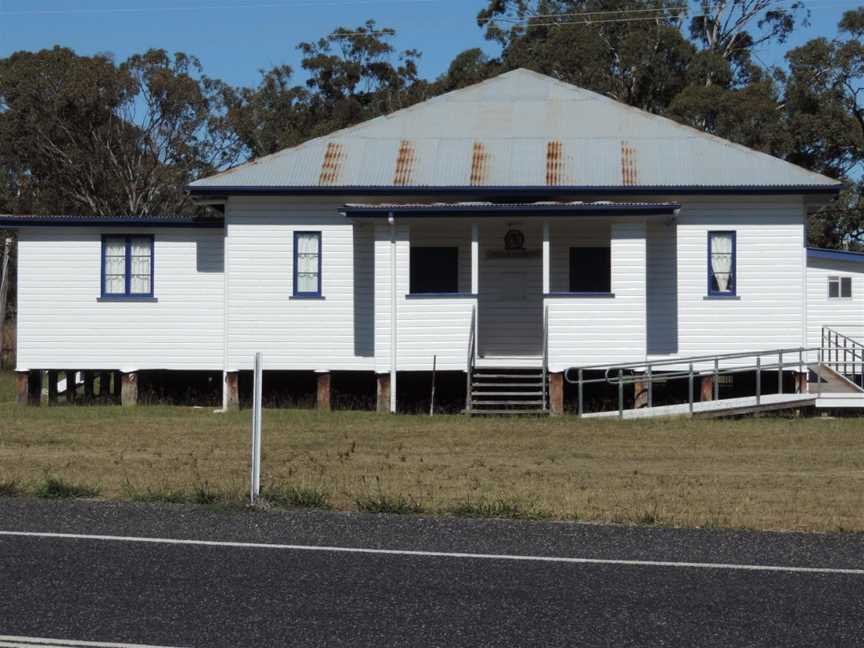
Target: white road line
[(9, 641), (442, 554)]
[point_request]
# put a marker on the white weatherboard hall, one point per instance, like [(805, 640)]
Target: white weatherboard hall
[(511, 230)]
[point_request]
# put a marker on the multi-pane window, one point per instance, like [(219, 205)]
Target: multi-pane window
[(839, 287), (721, 263), (307, 264), (127, 266)]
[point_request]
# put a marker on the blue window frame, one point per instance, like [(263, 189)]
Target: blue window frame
[(127, 267), (307, 265), (722, 264)]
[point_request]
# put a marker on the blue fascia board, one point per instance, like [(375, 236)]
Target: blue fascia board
[(482, 211), (537, 191), (835, 255), (72, 221)]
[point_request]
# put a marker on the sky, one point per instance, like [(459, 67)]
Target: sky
[(234, 39)]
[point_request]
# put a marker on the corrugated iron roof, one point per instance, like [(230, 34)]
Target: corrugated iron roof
[(520, 129)]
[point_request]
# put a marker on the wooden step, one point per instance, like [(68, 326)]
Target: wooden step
[(506, 402), (481, 385), (539, 376), (497, 393), (511, 412)]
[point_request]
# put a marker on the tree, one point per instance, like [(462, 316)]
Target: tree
[(824, 104), (732, 29), (593, 44), (467, 68), (355, 74), (83, 135)]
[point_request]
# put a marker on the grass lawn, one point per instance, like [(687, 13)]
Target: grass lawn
[(768, 473)]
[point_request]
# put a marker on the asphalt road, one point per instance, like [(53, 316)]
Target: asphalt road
[(522, 584)]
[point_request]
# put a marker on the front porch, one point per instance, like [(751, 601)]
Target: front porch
[(449, 278)]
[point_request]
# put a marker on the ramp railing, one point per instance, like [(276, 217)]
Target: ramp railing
[(472, 355), (843, 352), (647, 373)]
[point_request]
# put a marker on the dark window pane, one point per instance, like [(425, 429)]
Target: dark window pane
[(846, 287), (590, 270), (434, 270), (833, 287)]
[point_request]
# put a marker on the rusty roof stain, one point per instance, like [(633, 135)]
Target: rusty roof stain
[(554, 163), (334, 156), (405, 164), (479, 164), (515, 130), (629, 168)]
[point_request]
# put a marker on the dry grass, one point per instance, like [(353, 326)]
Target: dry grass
[(767, 473), (7, 331)]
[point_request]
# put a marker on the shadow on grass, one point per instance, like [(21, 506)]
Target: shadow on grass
[(57, 488)]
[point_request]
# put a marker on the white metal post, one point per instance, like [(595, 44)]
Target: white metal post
[(393, 314), (255, 486), (546, 260), (475, 258)]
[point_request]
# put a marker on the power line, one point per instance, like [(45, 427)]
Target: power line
[(268, 5)]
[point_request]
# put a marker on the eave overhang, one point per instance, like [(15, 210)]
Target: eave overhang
[(16, 222), (527, 192), (480, 210), (835, 255)]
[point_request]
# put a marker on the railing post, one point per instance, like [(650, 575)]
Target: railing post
[(690, 389), (620, 393), (650, 387), (581, 409), (716, 379), (819, 374), (800, 369), (780, 376), (758, 379), (845, 355)]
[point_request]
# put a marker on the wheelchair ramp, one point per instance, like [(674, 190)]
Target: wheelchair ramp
[(716, 408)]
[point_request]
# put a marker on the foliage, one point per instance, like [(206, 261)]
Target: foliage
[(354, 75), (824, 108), (84, 135)]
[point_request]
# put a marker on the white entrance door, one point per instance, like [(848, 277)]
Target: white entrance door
[(511, 302)]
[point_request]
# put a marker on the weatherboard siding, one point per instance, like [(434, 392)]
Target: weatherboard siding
[(295, 334), (767, 312), (593, 330), (427, 328), (662, 287), (844, 315), (62, 325)]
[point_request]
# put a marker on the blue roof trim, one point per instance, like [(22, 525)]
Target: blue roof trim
[(835, 255), (536, 191), (106, 221), (456, 210)]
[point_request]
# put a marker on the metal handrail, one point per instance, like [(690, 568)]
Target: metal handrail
[(685, 360), (614, 375), (469, 365), (849, 345), (545, 356)]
